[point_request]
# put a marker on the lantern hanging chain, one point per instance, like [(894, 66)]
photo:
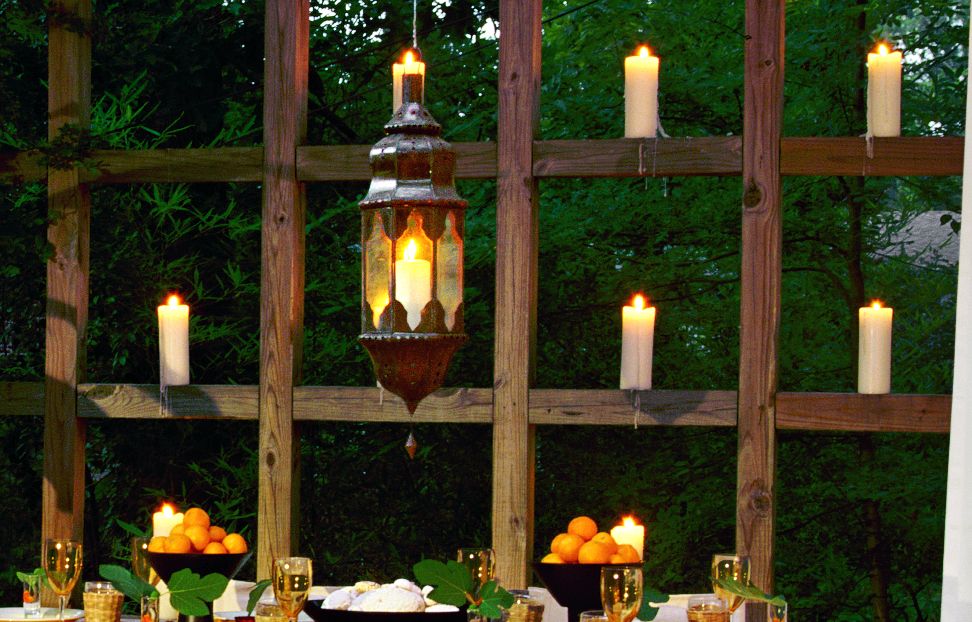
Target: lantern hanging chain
[(415, 24)]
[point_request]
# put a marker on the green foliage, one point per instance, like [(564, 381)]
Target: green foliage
[(125, 582), (190, 592), (454, 585)]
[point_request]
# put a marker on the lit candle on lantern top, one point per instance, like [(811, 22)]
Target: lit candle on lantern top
[(630, 533), (165, 519), (637, 343), (410, 65), (173, 343), (884, 92), (874, 349), (641, 94), (413, 283)]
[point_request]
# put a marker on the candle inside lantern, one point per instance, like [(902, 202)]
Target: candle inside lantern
[(165, 519), (874, 349), (637, 343), (630, 533), (641, 94), (884, 92), (413, 283), (173, 343), (410, 65)]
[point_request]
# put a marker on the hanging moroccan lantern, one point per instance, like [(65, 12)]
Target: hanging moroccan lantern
[(412, 228)]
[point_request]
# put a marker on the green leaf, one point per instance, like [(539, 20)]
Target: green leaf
[(125, 582), (258, 589), (133, 529), (492, 600), (452, 582), (190, 592), (749, 591), (648, 611)]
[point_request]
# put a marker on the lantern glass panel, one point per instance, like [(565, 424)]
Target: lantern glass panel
[(413, 270), (378, 249), (449, 270)]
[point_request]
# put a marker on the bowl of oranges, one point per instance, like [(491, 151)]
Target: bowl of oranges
[(572, 568), (199, 545)]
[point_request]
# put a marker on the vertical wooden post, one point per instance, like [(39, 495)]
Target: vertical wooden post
[(282, 274), (516, 288), (69, 216), (761, 275)]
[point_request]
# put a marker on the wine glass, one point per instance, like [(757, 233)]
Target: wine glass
[(62, 564), (730, 566), (621, 591), (141, 567), (481, 564), (292, 578)]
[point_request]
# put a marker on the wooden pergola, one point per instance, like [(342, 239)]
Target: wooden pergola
[(285, 164)]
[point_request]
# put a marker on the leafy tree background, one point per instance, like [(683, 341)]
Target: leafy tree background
[(177, 74)]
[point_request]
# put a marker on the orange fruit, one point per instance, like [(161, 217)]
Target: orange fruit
[(157, 544), (555, 543), (234, 543), (199, 536), (178, 543), (196, 516), (583, 526), (216, 534), (605, 538), (569, 547), (178, 529), (629, 553), (594, 553), (551, 558), (215, 548), (616, 559)]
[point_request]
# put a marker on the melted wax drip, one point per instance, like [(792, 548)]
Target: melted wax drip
[(411, 445)]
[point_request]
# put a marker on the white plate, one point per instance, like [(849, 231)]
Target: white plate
[(47, 614), (231, 616)]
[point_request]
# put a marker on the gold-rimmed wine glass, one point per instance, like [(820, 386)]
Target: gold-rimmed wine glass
[(61, 561), (730, 566), (622, 589), (292, 578), (141, 567), (481, 564)]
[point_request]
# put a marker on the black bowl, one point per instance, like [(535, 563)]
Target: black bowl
[(575, 586), (315, 609), (227, 564)]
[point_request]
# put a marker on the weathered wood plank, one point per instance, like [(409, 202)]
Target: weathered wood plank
[(905, 155), (282, 274), (21, 399), (68, 234), (222, 164), (615, 407), (350, 162), (141, 401), (356, 404), (627, 157), (516, 289), (761, 276), (854, 412)]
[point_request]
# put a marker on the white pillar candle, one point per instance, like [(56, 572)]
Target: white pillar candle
[(874, 349), (165, 519), (173, 343), (413, 284), (641, 94), (884, 92), (408, 66), (630, 533), (637, 343)]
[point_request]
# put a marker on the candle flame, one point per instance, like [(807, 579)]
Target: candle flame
[(883, 49), (876, 304), (629, 521), (167, 510), (638, 302), (174, 300), (644, 52), (409, 57), (410, 251)]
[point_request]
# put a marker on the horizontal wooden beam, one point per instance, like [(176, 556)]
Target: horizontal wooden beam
[(714, 156), (614, 407), (854, 412), (21, 398)]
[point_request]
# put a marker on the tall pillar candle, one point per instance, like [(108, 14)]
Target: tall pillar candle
[(874, 349), (410, 65), (173, 343), (641, 94), (630, 533), (884, 92), (637, 343), (413, 284), (165, 519)]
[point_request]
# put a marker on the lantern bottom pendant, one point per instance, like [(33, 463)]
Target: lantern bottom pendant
[(411, 445), (411, 365)]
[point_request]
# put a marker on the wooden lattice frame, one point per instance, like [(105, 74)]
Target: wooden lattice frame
[(761, 156)]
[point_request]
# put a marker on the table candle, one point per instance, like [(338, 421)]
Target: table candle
[(884, 92), (173, 343), (641, 94), (874, 349), (413, 284), (630, 533), (637, 342), (165, 519), (409, 66)]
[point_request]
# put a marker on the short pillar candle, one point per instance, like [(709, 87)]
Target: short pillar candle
[(874, 349), (173, 343), (410, 65), (641, 94), (884, 92), (637, 344)]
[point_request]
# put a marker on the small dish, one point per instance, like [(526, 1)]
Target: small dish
[(47, 614)]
